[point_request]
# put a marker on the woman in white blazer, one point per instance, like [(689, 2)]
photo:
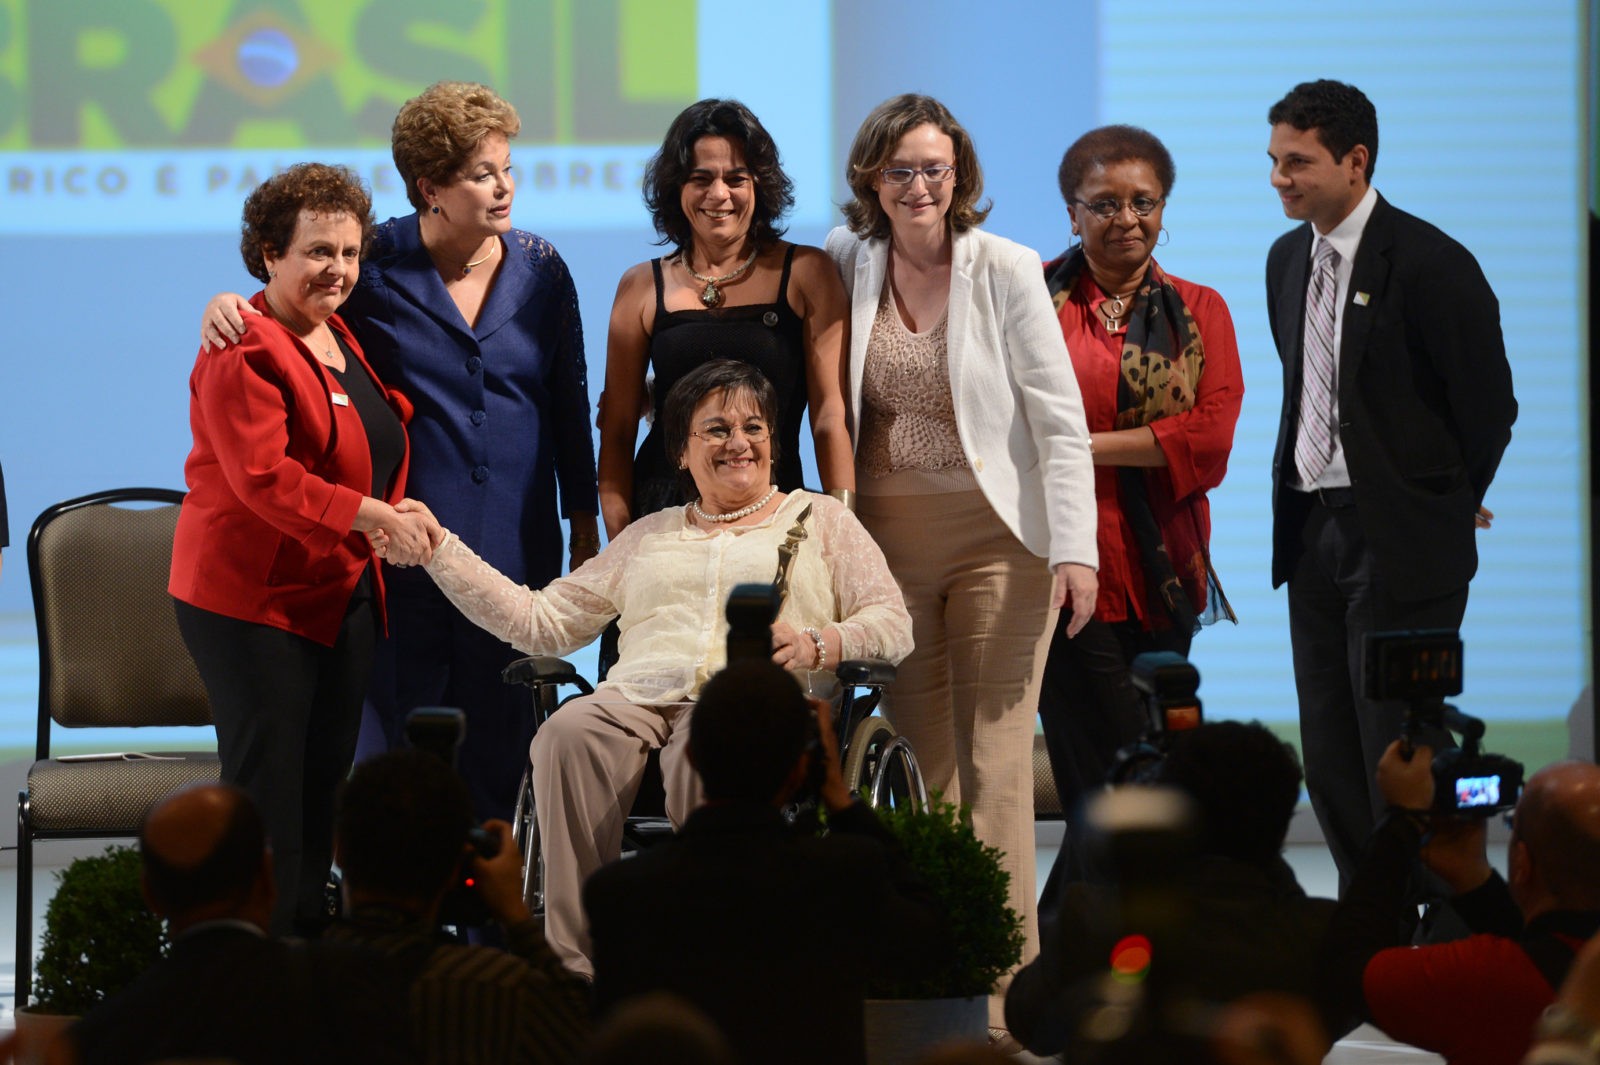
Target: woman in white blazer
[(972, 462)]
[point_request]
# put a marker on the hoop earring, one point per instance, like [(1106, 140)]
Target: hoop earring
[(1160, 243)]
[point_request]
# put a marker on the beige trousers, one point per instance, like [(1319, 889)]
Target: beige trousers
[(588, 760), (967, 695)]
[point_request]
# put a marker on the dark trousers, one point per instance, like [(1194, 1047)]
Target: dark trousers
[(1089, 709), (286, 710), (1336, 597), (436, 657)]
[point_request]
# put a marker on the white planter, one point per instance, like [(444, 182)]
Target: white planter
[(899, 1031)]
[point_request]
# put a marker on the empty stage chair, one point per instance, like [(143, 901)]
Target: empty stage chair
[(109, 656)]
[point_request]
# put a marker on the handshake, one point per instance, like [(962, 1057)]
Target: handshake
[(406, 534)]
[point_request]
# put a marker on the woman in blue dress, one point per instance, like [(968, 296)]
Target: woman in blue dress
[(477, 323)]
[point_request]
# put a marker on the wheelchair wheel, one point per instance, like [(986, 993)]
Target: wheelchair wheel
[(525, 833), (881, 763)]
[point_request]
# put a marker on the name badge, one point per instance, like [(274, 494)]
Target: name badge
[(340, 399)]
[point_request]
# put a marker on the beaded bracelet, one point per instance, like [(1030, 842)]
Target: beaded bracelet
[(822, 648)]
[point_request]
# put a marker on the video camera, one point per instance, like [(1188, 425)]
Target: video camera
[(439, 730), (1168, 681), (1423, 667)]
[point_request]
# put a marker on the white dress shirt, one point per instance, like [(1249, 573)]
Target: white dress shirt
[(1346, 239)]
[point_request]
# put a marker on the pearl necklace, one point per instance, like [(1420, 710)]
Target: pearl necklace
[(711, 296), (734, 515)]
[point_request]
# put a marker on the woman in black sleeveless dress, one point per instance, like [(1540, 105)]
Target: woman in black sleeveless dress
[(732, 289)]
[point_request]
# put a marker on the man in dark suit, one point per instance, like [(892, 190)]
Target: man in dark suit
[(771, 932), (1397, 408), (228, 991)]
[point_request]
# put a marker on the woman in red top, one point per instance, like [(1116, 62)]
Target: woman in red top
[(298, 452), (1158, 367)]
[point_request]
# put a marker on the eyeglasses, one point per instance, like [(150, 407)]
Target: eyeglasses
[(1107, 209), (905, 175), (755, 432)]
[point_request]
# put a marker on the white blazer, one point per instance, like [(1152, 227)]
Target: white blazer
[(1018, 411)]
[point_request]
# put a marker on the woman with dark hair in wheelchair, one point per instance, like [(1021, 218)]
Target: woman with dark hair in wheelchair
[(666, 578)]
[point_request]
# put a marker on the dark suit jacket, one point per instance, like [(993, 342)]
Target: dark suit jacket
[(1425, 402), (227, 993), (772, 933), (277, 472)]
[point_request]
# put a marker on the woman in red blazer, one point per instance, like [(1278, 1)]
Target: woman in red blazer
[(298, 452)]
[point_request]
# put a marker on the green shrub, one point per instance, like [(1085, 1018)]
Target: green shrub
[(967, 878), (98, 934)]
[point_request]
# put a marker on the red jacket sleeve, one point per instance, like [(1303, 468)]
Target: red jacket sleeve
[(1197, 441)]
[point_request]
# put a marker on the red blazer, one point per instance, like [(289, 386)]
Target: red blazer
[(277, 472)]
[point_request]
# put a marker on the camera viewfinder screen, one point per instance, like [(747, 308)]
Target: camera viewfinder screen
[(1477, 791)]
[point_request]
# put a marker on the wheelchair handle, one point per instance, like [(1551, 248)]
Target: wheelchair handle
[(544, 669), (865, 672)]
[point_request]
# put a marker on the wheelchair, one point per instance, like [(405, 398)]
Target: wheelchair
[(876, 761)]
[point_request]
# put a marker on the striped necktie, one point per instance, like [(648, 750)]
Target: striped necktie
[(1314, 445)]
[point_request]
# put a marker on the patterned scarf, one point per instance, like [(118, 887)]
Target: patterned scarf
[(1162, 353)]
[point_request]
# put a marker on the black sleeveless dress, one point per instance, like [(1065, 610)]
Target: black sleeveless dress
[(768, 336)]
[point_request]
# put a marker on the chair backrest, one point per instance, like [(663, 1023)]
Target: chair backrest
[(109, 649)]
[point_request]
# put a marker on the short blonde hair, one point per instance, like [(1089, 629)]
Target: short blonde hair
[(436, 131), (875, 143)]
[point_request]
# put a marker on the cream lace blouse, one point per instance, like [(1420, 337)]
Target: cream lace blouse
[(667, 583)]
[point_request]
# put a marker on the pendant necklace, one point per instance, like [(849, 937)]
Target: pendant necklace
[(711, 295), (1112, 307), (467, 268)]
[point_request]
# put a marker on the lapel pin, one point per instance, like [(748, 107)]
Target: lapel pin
[(1361, 299)]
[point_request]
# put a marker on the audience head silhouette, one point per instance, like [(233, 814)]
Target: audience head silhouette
[(205, 857), (1554, 859), (661, 1028), (402, 826), (1245, 783), (749, 733)]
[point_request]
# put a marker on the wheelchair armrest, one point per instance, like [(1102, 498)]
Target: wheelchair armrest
[(865, 672), (540, 669)]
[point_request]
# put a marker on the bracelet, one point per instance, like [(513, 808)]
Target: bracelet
[(847, 496), (822, 648), (585, 541)]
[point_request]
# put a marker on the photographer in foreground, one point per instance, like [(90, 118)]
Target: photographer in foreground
[(401, 841), (1236, 918), (1475, 999), (771, 931)]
